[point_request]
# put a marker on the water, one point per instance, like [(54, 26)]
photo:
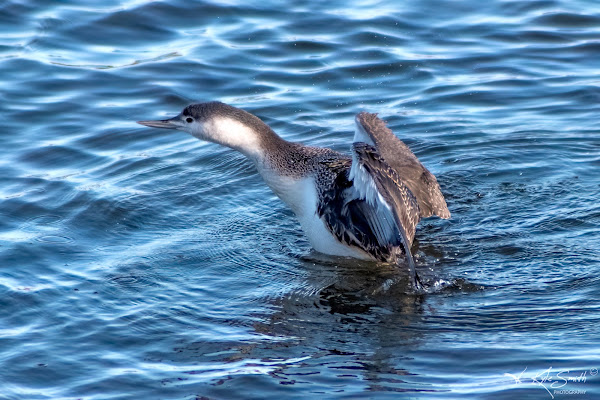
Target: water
[(141, 263)]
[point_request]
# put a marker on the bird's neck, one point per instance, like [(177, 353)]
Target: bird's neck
[(286, 167), (252, 137)]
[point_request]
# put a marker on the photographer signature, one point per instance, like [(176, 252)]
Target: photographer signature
[(549, 379)]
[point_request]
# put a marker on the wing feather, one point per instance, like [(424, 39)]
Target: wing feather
[(393, 212), (393, 208), (422, 183)]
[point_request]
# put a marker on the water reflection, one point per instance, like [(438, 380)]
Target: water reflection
[(354, 320)]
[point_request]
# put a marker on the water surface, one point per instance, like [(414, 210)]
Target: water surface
[(141, 263)]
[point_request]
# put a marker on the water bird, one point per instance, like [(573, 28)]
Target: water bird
[(366, 205)]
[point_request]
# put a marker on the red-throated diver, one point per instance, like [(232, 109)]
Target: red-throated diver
[(366, 206)]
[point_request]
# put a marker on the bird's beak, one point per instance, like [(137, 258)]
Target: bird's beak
[(172, 123)]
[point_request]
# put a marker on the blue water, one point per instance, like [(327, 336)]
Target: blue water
[(137, 263)]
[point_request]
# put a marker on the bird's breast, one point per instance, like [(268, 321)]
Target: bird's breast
[(300, 194)]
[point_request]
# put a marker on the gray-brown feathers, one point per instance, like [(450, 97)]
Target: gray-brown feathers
[(401, 201), (356, 221), (359, 221), (419, 180), (298, 161), (346, 216)]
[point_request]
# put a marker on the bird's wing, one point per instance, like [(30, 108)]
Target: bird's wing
[(372, 130), (346, 216), (392, 208), (369, 207)]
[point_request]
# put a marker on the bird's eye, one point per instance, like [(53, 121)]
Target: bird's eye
[(189, 120)]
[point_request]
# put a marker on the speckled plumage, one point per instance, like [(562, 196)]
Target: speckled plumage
[(365, 206), (401, 159), (346, 217)]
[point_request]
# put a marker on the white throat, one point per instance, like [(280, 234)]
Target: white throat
[(231, 133)]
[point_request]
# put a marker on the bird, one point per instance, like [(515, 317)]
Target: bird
[(365, 205)]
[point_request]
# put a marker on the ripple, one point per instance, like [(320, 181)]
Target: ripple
[(174, 271), (567, 20), (54, 239)]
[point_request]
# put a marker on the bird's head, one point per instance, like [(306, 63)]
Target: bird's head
[(219, 123)]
